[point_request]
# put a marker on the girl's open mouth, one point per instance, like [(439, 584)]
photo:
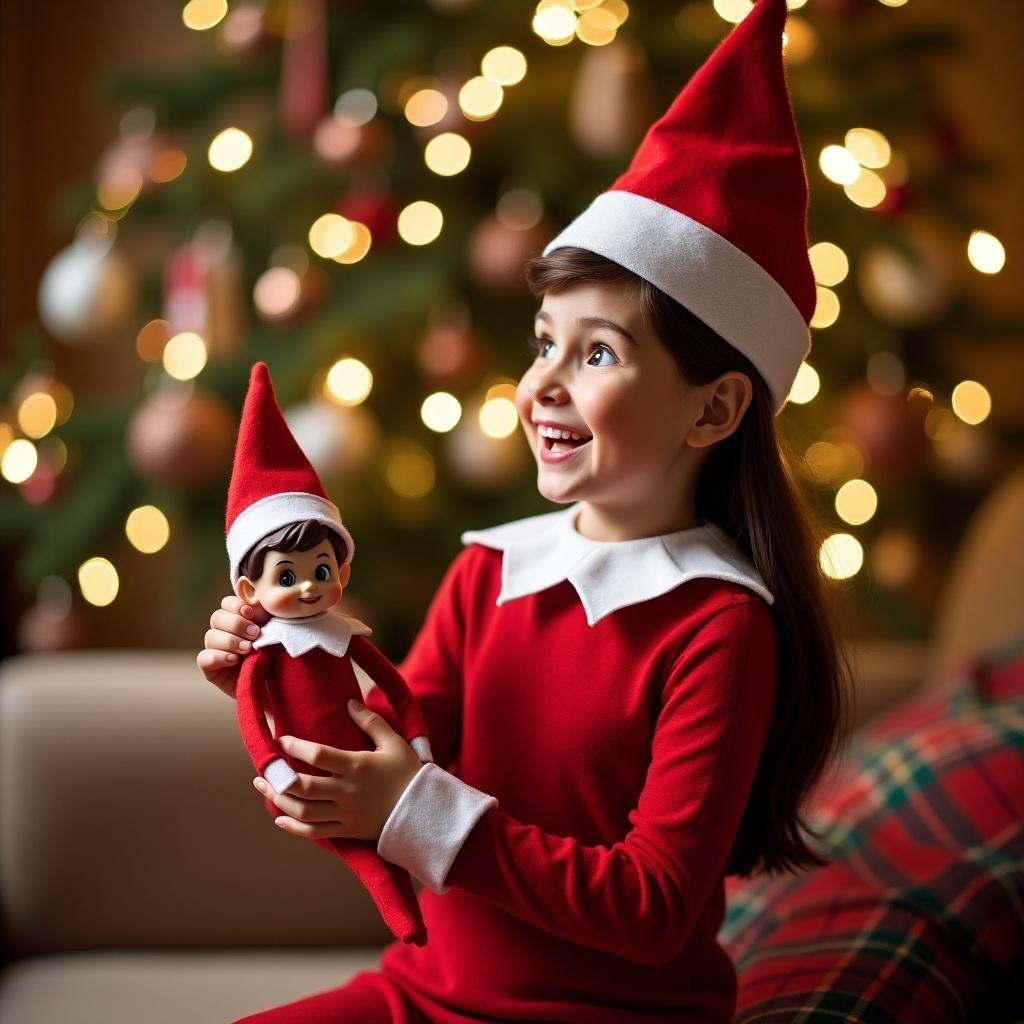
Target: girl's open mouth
[(309, 600), (559, 444)]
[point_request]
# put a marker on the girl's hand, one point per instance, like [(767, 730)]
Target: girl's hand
[(358, 798), (229, 639)]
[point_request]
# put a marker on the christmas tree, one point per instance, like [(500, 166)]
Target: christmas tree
[(350, 195)]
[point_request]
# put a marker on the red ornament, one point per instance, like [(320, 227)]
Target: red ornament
[(373, 206), (303, 96), (888, 430), (182, 440), (898, 199), (451, 354), (497, 254)]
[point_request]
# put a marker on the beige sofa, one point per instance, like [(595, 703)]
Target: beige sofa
[(141, 879)]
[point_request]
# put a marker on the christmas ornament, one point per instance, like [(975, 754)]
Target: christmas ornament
[(88, 291), (450, 354), (303, 96), (181, 437), (907, 289), (343, 144), (302, 661), (374, 206), (244, 30), (713, 206), (203, 290), (496, 254), (612, 100), (339, 441), (888, 430)]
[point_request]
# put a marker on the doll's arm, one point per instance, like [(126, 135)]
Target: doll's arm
[(434, 665), (397, 691), (640, 897), (250, 695)]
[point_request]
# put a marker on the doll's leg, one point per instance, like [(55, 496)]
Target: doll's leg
[(389, 885), (368, 998)]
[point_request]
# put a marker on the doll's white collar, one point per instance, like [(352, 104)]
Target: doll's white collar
[(330, 630), (544, 550)]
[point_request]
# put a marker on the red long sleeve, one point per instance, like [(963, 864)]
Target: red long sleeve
[(407, 715), (621, 756), (639, 897), (433, 667)]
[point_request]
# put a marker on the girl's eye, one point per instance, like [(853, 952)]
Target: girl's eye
[(286, 579), (603, 350), (538, 344), (323, 573)]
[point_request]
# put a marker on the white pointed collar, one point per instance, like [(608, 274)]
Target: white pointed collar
[(541, 551), (330, 630)]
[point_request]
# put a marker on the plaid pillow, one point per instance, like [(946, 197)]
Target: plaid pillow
[(920, 915)]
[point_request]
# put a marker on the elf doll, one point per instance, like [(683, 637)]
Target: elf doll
[(291, 554)]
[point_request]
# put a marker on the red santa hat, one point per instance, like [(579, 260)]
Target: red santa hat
[(272, 482), (713, 208)]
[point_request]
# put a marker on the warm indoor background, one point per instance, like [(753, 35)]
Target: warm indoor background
[(954, 116)]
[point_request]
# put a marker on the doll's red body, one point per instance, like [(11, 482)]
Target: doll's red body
[(307, 696)]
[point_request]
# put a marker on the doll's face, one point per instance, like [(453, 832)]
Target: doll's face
[(297, 584)]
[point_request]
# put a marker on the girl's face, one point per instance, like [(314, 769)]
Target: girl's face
[(296, 584), (604, 377)]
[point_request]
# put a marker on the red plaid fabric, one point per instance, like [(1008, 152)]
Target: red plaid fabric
[(920, 915)]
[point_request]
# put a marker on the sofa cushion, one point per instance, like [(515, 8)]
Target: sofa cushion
[(919, 916)]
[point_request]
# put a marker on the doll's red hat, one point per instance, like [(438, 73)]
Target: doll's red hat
[(272, 481), (713, 208)]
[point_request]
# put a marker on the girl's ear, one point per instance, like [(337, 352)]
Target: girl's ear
[(245, 589), (344, 571)]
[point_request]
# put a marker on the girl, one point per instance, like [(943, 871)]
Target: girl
[(631, 697)]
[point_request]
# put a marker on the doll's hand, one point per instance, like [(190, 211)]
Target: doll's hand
[(228, 639), (357, 799)]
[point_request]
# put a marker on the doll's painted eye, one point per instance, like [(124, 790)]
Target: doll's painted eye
[(286, 579), (323, 573)]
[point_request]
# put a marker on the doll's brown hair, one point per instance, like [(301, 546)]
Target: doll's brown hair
[(748, 486), (293, 537)]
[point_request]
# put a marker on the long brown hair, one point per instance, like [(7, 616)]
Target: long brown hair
[(748, 486)]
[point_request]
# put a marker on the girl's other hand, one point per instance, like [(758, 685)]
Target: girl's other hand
[(356, 798), (228, 639)]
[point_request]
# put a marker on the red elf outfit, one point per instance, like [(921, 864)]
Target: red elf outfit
[(598, 709), (302, 667)]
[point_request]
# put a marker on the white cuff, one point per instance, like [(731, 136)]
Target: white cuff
[(280, 775), (429, 824), (422, 747)]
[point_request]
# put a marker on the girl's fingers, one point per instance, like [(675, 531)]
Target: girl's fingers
[(304, 810), (234, 604), (320, 755), (321, 830), (234, 625), (219, 640), (214, 662)]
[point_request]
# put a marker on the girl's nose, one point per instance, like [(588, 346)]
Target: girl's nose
[(545, 385)]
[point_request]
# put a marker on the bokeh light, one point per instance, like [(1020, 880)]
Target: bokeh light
[(147, 529), (230, 150), (349, 382), (440, 411), (841, 556), (185, 355), (420, 223), (98, 581)]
